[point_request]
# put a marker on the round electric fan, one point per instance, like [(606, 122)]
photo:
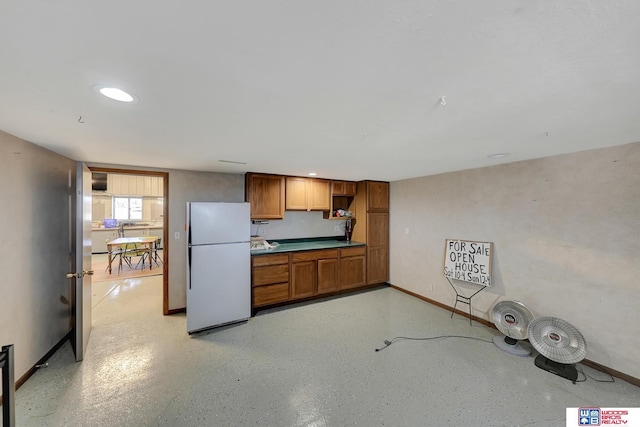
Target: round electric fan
[(512, 319), (560, 345)]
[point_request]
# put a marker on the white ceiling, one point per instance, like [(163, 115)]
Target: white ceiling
[(347, 89)]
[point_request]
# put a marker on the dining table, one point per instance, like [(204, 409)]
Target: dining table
[(150, 241)]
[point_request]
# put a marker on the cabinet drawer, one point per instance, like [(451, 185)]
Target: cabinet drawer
[(270, 274), (313, 255), (270, 294), (260, 260), (358, 250)]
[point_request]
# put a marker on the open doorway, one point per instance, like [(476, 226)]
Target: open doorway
[(134, 204)]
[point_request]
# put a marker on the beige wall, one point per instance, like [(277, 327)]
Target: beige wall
[(185, 186), (188, 186), (35, 296), (566, 234)]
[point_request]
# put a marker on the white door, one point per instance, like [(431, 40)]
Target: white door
[(83, 273)]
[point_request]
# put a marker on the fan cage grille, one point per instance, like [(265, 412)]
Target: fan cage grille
[(557, 339), (512, 318)]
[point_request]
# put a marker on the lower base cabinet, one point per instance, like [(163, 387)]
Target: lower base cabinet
[(353, 267), (270, 294), (328, 280), (269, 279), (303, 279), (312, 272), (288, 277)]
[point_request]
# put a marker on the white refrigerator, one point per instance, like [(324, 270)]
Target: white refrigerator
[(218, 264)]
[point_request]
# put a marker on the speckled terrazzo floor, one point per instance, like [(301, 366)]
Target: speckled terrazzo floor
[(306, 365)]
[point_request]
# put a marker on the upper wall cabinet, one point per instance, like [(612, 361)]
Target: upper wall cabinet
[(377, 196), (153, 185), (342, 196), (134, 185), (307, 194), (266, 194), (343, 188), (296, 188), (319, 194)]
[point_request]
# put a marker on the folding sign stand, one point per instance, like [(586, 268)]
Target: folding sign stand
[(462, 299), (467, 261)]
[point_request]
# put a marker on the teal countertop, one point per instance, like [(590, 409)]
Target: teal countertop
[(294, 245)]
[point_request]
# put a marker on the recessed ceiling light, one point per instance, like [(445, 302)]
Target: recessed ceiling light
[(312, 174), (116, 94), (497, 155)]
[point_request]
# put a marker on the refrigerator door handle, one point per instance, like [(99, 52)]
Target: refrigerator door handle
[(189, 243), (189, 263), (189, 226)]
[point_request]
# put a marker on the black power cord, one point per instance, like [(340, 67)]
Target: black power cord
[(388, 343), (610, 380)]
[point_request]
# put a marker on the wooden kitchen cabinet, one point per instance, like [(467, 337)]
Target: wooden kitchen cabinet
[(377, 196), (343, 188), (352, 267), (342, 196), (328, 278), (269, 279), (372, 228), (313, 273), (307, 194), (271, 294), (378, 264), (270, 274), (266, 193), (319, 194), (296, 193), (378, 229), (303, 279), (289, 277)]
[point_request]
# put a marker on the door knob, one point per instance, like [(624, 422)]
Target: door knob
[(80, 275)]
